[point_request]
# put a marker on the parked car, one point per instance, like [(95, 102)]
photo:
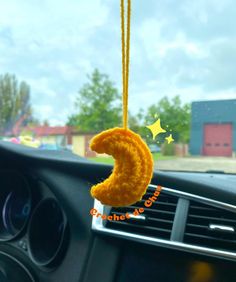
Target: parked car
[(53, 147), (154, 148)]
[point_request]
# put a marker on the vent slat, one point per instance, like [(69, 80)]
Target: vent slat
[(212, 218), (143, 227), (198, 230), (160, 199), (151, 210), (201, 208), (160, 203), (147, 210), (210, 237), (196, 225), (158, 218), (150, 218)]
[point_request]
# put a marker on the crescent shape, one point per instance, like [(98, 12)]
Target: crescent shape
[(132, 171)]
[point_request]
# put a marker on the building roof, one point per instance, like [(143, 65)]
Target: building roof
[(46, 130), (215, 101)]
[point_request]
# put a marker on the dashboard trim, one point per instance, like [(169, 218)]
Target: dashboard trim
[(20, 264), (98, 226)]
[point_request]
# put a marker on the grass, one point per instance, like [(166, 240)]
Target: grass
[(110, 160), (159, 156), (105, 160)]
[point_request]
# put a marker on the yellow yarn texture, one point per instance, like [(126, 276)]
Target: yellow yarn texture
[(132, 170)]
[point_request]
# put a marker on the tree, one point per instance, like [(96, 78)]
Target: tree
[(98, 105), (46, 122), (14, 102), (136, 122), (175, 117)]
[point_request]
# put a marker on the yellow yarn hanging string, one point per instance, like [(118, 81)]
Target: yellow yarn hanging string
[(125, 47), (133, 160)]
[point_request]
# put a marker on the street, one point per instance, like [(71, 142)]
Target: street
[(227, 165)]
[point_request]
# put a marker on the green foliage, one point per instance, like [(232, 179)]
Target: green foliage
[(14, 101), (46, 122), (136, 123), (98, 105), (175, 118), (98, 108), (168, 149)]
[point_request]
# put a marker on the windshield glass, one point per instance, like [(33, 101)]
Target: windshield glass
[(60, 78)]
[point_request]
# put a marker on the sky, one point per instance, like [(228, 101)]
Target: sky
[(185, 47)]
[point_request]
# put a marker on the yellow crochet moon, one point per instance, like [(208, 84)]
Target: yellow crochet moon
[(132, 171)]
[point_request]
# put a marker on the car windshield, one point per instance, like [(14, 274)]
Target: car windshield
[(61, 82)]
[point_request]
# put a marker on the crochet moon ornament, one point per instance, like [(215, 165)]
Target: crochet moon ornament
[(133, 167), (132, 170)]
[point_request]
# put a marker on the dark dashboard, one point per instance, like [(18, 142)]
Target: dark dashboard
[(47, 231)]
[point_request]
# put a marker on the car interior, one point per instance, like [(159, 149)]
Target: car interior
[(99, 184), (51, 232)]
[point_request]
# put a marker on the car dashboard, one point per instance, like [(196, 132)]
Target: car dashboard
[(53, 230)]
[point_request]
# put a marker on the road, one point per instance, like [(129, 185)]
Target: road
[(198, 164)]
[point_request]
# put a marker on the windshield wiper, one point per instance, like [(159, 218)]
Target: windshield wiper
[(215, 171)]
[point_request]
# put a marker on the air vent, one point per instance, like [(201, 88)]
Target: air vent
[(156, 221), (211, 227)]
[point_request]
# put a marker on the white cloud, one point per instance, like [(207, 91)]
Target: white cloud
[(42, 87), (177, 47), (43, 111)]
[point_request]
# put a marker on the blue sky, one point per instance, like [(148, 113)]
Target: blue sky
[(177, 47)]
